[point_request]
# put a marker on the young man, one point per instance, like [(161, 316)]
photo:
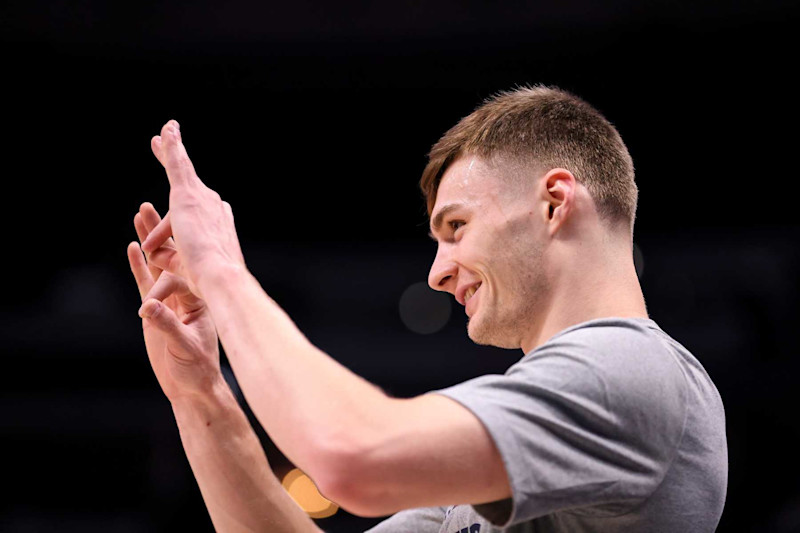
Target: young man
[(605, 424)]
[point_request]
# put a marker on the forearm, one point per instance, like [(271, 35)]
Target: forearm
[(309, 403), (237, 484)]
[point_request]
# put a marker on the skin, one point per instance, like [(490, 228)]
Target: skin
[(483, 242), (544, 262), (225, 454), (363, 449), (537, 247), (184, 351)]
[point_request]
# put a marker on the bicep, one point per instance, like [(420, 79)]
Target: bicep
[(433, 451)]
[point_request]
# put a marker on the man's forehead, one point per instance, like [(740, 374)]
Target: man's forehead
[(461, 177), (466, 179), (465, 185), (497, 176)]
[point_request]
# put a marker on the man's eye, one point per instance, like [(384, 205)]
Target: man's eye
[(455, 224)]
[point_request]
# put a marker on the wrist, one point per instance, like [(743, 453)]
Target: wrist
[(212, 400), (215, 276), (215, 421)]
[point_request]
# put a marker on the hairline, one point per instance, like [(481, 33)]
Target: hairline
[(520, 167)]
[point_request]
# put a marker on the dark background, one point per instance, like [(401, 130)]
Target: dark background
[(313, 120)]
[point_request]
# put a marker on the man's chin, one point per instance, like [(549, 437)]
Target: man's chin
[(485, 334)]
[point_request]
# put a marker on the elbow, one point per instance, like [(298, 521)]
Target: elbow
[(345, 476)]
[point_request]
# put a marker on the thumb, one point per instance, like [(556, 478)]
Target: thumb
[(160, 316), (168, 259)]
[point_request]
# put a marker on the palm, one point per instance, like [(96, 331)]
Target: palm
[(181, 362)]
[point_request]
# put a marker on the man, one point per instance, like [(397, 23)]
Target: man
[(605, 424)]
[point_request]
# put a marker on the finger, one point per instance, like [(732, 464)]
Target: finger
[(150, 216), (170, 284), (159, 235), (142, 232), (141, 229), (166, 259), (180, 170), (139, 268), (167, 285), (152, 220), (162, 317), (155, 146)]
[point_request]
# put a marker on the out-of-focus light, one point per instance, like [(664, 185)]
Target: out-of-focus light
[(424, 310), (305, 493), (638, 260)]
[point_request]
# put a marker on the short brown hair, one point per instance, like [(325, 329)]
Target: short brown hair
[(546, 127)]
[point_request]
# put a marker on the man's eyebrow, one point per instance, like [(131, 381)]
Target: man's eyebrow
[(436, 221)]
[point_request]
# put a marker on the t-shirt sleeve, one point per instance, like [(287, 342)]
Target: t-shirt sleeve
[(423, 520), (589, 422)]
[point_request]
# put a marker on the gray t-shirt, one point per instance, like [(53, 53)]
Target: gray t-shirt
[(610, 426)]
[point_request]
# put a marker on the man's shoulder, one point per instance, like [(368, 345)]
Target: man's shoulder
[(620, 350), (623, 365), (614, 335)]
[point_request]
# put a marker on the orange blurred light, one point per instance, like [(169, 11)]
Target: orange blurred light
[(305, 493)]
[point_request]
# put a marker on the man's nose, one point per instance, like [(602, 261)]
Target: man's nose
[(443, 272)]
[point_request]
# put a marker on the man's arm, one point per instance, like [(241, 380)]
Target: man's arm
[(372, 454), (369, 453), (237, 484), (238, 487)]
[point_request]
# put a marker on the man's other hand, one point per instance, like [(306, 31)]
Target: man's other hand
[(179, 333)]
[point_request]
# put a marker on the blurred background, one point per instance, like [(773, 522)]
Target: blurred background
[(313, 119)]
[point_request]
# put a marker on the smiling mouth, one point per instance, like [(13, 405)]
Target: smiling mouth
[(470, 292)]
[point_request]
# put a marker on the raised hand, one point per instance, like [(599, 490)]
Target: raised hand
[(179, 334), (200, 222)]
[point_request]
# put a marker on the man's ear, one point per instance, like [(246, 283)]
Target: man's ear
[(557, 192)]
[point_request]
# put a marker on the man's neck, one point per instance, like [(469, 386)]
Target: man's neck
[(599, 287)]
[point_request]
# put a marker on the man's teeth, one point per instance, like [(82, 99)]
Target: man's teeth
[(469, 293)]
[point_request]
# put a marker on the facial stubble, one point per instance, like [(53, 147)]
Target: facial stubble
[(504, 316)]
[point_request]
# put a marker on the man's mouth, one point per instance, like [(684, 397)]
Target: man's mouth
[(470, 292)]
